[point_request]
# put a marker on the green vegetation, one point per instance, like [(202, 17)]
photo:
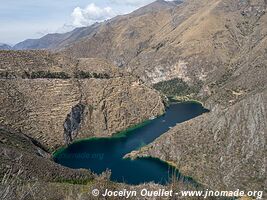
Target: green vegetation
[(46, 74), (58, 151), (177, 87), (82, 75), (101, 76), (129, 130), (53, 75), (87, 75)]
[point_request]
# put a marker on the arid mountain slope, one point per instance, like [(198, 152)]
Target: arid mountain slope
[(125, 37), (195, 40), (219, 44), (41, 106), (223, 150), (24, 162), (57, 41), (226, 148)]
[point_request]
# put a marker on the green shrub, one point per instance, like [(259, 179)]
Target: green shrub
[(49, 75), (177, 87), (82, 75), (87, 75)]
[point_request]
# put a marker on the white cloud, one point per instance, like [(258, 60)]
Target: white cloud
[(91, 14)]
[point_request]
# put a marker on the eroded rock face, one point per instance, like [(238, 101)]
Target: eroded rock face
[(27, 161), (223, 149), (56, 111), (73, 122), (84, 108), (195, 40), (220, 42)]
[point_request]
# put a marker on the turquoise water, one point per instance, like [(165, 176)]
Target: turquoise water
[(107, 153)]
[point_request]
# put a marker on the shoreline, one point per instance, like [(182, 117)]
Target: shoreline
[(123, 133)]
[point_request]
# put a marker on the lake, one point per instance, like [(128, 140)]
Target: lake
[(99, 154)]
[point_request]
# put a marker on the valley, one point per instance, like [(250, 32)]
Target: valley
[(93, 82)]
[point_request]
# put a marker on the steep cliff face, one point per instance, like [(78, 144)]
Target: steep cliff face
[(49, 109), (73, 122), (223, 149), (195, 40), (220, 43), (24, 159)]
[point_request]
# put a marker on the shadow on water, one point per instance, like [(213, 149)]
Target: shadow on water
[(100, 154)]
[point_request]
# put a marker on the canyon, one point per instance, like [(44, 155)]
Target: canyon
[(99, 80)]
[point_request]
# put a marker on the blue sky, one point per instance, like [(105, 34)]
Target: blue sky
[(23, 19)]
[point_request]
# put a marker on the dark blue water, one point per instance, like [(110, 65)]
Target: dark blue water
[(107, 153)]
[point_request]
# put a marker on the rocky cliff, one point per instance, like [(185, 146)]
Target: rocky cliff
[(225, 149), (195, 40), (25, 162), (42, 107), (219, 44)]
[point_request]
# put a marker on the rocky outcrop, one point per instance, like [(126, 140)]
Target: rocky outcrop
[(56, 109), (21, 156), (223, 149), (221, 43), (40, 107), (73, 122)]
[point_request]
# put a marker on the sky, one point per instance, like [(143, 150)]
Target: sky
[(24, 19)]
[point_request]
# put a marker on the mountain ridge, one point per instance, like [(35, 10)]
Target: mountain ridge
[(53, 40), (216, 47), (60, 40), (5, 46)]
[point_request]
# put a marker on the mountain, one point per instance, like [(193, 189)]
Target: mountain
[(221, 45), (169, 42), (47, 86), (216, 47), (5, 46), (56, 40), (156, 6), (59, 41), (212, 51), (125, 37)]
